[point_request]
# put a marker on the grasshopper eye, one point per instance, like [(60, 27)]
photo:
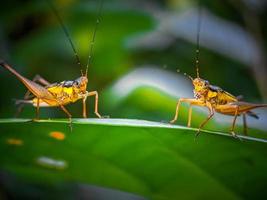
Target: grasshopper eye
[(75, 83)]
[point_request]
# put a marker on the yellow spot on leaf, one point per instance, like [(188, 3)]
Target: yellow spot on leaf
[(57, 135), (13, 141)]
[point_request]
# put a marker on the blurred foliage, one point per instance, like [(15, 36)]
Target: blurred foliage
[(154, 162), (34, 43)]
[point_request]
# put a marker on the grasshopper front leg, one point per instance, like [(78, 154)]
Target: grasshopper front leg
[(192, 102), (93, 93), (189, 115), (195, 102), (84, 107)]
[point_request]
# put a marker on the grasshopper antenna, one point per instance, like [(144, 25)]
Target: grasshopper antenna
[(94, 35), (198, 37), (65, 31), (186, 75)]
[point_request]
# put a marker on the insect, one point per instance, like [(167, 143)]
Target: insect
[(41, 93), (215, 99)]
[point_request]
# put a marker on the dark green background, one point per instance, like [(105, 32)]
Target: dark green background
[(153, 162), (33, 42)]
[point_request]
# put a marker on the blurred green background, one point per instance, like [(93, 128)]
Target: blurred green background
[(139, 47), (132, 36)]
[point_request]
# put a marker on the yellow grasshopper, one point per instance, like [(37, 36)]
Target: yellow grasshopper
[(43, 94), (215, 99)]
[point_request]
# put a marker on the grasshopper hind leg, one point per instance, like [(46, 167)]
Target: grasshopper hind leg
[(245, 129), (38, 109), (234, 122), (37, 79)]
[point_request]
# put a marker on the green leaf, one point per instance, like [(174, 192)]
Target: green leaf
[(149, 159)]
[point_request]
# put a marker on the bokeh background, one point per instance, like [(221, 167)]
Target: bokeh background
[(139, 47), (141, 51)]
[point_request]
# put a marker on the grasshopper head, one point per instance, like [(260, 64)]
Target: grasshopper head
[(81, 83), (201, 87)]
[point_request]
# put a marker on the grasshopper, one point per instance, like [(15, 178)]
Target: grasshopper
[(215, 99), (41, 93)]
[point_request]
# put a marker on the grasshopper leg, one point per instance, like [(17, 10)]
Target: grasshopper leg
[(245, 124), (84, 107), (95, 93), (38, 109), (37, 117), (38, 79), (211, 114), (189, 116), (234, 121), (66, 111), (234, 110), (196, 103), (177, 111), (69, 115), (191, 101)]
